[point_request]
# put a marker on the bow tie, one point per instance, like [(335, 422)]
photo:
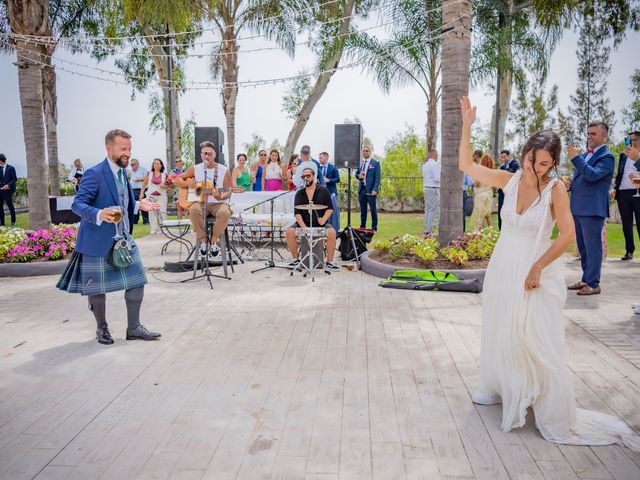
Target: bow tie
[(590, 150)]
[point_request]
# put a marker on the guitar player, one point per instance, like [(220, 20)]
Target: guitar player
[(217, 202)]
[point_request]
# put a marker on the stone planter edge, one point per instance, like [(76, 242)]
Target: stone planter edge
[(32, 269)]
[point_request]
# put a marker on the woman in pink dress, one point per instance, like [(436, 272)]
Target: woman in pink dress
[(274, 173)]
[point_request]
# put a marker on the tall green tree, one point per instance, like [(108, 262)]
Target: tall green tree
[(411, 54), (456, 58), (590, 101), (632, 111), (26, 19)]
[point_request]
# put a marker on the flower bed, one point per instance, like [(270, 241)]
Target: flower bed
[(41, 245), (472, 250)]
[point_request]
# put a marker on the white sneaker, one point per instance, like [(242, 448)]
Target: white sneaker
[(214, 250), (203, 249), (482, 398)]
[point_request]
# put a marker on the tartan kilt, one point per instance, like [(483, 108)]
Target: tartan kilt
[(88, 275)]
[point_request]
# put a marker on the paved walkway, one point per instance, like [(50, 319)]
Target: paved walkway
[(269, 376)]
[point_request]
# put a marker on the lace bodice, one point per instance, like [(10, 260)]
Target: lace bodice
[(535, 217)]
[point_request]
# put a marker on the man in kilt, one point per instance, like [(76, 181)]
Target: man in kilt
[(89, 271)]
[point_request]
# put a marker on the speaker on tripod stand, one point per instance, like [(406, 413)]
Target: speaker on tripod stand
[(347, 146)]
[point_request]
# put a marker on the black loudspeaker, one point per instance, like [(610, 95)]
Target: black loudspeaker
[(211, 134), (348, 139)]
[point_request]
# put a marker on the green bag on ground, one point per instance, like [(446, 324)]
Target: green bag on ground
[(431, 280)]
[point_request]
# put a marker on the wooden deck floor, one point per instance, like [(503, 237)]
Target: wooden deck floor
[(269, 377)]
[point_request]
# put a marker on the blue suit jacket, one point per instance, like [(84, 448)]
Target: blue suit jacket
[(371, 179), (591, 183), (9, 177), (621, 163), (334, 177), (97, 191)]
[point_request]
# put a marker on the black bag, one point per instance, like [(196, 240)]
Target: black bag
[(468, 206), (361, 237)]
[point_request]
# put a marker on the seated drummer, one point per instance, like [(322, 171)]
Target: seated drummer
[(319, 195), (217, 203)]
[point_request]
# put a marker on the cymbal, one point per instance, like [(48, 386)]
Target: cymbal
[(311, 206)]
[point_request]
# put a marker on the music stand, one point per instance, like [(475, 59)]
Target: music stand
[(270, 263)]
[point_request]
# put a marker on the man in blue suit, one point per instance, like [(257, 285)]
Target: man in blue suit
[(590, 203), (328, 173), (624, 191), (368, 175), (510, 165), (89, 271), (8, 180)]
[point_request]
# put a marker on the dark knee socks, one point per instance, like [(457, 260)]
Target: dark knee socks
[(133, 297), (97, 304)]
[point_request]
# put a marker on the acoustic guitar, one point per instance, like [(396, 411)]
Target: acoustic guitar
[(188, 196)]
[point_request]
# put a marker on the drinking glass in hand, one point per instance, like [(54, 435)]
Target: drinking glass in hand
[(117, 213), (635, 179)]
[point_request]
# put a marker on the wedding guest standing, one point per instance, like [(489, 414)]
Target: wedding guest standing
[(89, 271), (75, 175), (329, 173), (624, 191), (431, 190), (154, 187), (8, 180), (510, 165), (136, 176), (590, 203), (272, 180), (291, 170), (241, 176), (178, 170), (482, 200), (258, 171), (369, 177)]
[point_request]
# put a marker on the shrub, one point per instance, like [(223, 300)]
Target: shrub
[(403, 246), (455, 254), (381, 246), (9, 237), (67, 189), (52, 244)]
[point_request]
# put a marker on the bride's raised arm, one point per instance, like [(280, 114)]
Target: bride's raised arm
[(488, 176)]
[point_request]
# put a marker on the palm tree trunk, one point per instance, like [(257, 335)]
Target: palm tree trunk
[(321, 84), (456, 52), (50, 99), (504, 101), (169, 94), (432, 104), (30, 87), (229, 52)]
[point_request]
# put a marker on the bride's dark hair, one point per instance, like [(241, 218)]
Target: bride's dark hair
[(550, 142)]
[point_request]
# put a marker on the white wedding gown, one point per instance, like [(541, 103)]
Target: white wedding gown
[(522, 357)]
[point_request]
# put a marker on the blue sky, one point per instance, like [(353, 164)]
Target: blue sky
[(87, 108)]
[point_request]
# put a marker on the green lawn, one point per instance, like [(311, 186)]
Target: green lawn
[(394, 224)]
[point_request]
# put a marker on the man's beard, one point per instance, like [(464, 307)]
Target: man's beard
[(122, 161), (308, 183)]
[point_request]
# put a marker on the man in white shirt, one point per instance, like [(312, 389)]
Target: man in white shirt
[(136, 177), (624, 191), (431, 189)]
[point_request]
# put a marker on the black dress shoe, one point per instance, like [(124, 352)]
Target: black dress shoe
[(627, 256), (103, 336), (141, 333)]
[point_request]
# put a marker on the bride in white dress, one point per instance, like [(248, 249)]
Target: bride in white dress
[(522, 359)]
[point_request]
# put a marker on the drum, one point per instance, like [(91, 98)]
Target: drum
[(308, 238)]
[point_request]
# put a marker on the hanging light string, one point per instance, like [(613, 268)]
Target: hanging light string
[(75, 41), (212, 85), (166, 35)]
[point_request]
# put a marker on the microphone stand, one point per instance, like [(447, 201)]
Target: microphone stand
[(270, 263)]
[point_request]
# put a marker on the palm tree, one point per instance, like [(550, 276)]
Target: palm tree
[(273, 18), (456, 53), (410, 55), (149, 28), (31, 18)]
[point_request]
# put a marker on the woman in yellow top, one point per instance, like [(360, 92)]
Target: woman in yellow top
[(483, 199)]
